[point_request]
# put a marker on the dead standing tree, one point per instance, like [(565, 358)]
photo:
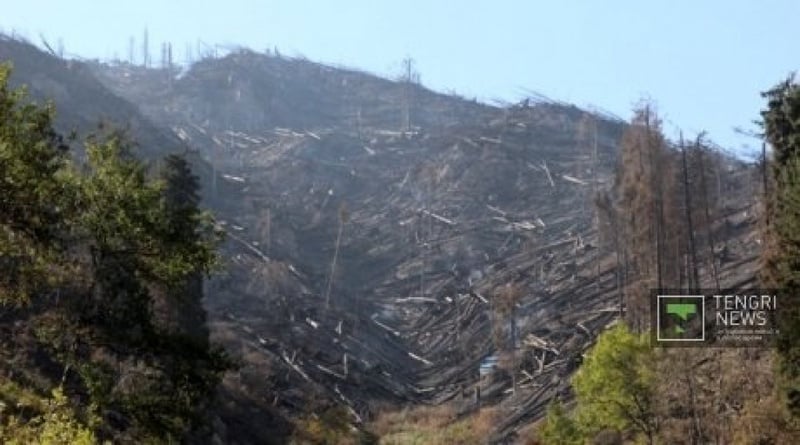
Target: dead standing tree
[(131, 50), (429, 179), (410, 78), (609, 230), (648, 213), (587, 136), (505, 305), (343, 217), (694, 280), (707, 205), (145, 49), (638, 216)]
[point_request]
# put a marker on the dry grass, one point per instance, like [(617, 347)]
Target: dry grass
[(529, 434), (434, 425), (424, 417), (484, 421)]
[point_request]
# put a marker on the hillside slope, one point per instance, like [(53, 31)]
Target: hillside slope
[(432, 225), (374, 227)]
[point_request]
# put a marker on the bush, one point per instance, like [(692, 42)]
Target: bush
[(558, 428)]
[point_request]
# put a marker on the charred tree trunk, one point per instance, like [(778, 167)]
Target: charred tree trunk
[(709, 222), (694, 278)]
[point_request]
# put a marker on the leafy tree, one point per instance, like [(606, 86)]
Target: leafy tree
[(615, 386)]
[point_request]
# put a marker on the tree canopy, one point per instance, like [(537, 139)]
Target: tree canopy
[(102, 262)]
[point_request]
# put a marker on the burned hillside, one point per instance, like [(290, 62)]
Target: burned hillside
[(425, 225), (384, 239), (83, 103)]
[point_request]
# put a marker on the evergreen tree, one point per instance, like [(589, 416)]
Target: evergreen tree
[(91, 251), (781, 122), (32, 196), (150, 246), (186, 224)]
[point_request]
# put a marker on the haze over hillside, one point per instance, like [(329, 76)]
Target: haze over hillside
[(385, 240), (706, 76)]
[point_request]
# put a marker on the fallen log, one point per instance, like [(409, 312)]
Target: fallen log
[(574, 180), (421, 359), (547, 171), (295, 367), (439, 218)]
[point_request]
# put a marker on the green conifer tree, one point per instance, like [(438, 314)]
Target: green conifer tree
[(781, 122)]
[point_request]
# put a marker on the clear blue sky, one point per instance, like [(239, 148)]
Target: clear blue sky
[(703, 61)]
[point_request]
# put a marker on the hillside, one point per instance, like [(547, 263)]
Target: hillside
[(440, 219), (82, 101), (374, 227)]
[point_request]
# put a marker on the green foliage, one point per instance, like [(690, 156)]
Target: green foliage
[(155, 227), (109, 263), (781, 121), (332, 426), (53, 424), (558, 428), (142, 238), (615, 386), (192, 231), (32, 158)]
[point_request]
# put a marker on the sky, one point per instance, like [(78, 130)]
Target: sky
[(703, 62)]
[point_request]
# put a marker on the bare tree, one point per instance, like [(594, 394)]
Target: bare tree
[(649, 213), (145, 49), (188, 59), (131, 50), (694, 281), (588, 125), (410, 78), (639, 212), (609, 230), (343, 216), (707, 209), (505, 305)]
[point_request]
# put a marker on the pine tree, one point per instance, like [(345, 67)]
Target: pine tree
[(186, 224)]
